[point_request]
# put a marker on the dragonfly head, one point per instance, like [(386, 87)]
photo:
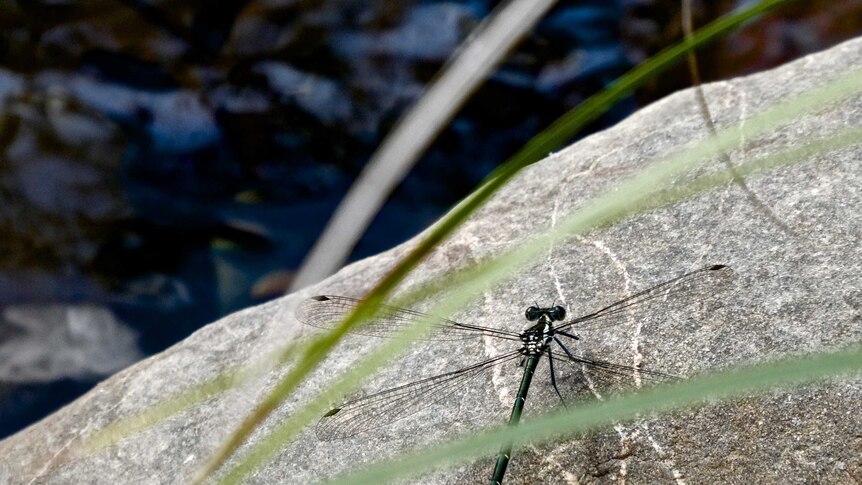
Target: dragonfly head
[(552, 314)]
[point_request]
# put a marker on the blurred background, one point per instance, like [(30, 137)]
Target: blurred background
[(163, 163)]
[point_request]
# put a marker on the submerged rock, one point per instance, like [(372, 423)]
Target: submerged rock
[(792, 293), (49, 343)]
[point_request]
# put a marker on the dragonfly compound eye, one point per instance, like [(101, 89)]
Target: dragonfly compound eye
[(558, 313), (532, 313)]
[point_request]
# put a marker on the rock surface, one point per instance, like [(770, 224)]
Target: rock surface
[(791, 294)]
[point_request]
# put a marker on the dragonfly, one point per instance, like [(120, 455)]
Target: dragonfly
[(549, 336)]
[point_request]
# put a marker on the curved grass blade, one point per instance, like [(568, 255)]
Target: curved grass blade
[(734, 383)]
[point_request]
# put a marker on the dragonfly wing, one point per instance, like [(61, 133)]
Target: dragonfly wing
[(615, 370), (581, 378), (699, 285), (327, 311), (379, 409)]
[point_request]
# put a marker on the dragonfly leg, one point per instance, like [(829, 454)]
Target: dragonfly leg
[(567, 334), (565, 349), (554, 379)]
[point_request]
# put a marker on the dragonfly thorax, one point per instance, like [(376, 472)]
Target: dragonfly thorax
[(537, 337)]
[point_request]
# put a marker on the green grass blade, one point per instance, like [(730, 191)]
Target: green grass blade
[(698, 390)]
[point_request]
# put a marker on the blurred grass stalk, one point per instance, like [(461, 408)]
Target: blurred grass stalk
[(724, 385), (482, 52), (651, 188)]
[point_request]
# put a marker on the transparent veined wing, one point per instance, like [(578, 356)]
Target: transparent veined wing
[(327, 311), (581, 378), (699, 285), (381, 408), (614, 369)]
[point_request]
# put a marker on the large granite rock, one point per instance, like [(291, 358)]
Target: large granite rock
[(792, 293)]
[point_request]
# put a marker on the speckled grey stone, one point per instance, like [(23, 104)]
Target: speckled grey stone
[(792, 294)]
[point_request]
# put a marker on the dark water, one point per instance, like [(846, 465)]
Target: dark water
[(165, 163)]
